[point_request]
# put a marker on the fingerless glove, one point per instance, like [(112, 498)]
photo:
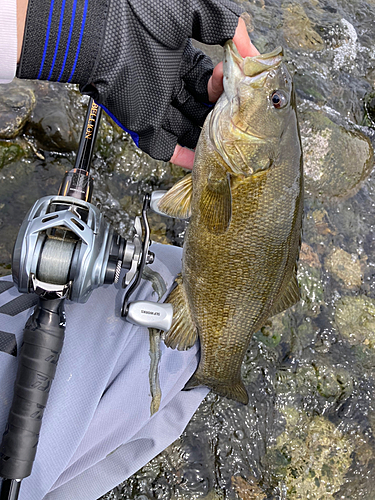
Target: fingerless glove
[(135, 57)]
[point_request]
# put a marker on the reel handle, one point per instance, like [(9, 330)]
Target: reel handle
[(42, 344), (150, 314)]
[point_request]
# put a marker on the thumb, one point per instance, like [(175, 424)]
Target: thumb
[(242, 40)]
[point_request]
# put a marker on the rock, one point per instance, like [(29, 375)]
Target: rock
[(311, 457), (298, 31), (336, 160), (369, 104), (308, 256), (323, 225), (57, 119), (11, 151), (333, 383), (355, 320), (345, 267), (17, 101), (247, 489)]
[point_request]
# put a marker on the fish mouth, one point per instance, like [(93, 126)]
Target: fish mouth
[(252, 66)]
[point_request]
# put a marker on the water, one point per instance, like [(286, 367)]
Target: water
[(308, 430)]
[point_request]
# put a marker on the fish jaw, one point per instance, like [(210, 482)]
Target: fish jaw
[(255, 68)]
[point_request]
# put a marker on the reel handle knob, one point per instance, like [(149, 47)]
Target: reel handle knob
[(150, 314)]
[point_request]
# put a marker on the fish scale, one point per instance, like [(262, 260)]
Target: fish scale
[(243, 238)]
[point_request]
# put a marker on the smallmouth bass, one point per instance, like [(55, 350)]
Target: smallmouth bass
[(245, 202)]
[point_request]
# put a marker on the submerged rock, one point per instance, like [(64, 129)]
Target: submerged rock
[(336, 160), (11, 151), (247, 489), (369, 105), (57, 118), (17, 101), (355, 319), (310, 458), (345, 267)]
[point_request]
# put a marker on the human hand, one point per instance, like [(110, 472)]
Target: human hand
[(184, 157), (135, 58)]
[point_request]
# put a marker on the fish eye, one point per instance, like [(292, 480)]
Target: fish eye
[(279, 99)]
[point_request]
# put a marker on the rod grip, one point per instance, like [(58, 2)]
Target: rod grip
[(41, 347)]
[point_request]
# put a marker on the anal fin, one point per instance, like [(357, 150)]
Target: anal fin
[(183, 332)]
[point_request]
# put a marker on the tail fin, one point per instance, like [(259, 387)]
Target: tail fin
[(235, 391)]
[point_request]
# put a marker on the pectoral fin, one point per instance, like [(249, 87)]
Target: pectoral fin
[(183, 332), (216, 203), (177, 201), (290, 296)]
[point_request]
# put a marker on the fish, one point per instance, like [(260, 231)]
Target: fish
[(244, 199)]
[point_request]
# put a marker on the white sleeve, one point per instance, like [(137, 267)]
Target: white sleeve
[(8, 40)]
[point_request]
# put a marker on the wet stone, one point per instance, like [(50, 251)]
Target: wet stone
[(369, 104), (345, 267), (298, 30), (336, 159), (355, 320), (247, 489), (308, 256), (311, 457), (17, 101), (57, 118), (11, 151)]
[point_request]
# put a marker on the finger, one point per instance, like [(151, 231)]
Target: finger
[(195, 70), (176, 129), (183, 157), (215, 84), (179, 125), (195, 111), (242, 40), (159, 144)]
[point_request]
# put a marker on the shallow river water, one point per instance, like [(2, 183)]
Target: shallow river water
[(308, 430)]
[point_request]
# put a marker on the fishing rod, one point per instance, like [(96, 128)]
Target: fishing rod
[(64, 250)]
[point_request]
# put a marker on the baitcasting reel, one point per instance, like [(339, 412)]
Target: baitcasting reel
[(65, 249)]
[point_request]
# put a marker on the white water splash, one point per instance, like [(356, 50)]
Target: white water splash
[(346, 53)]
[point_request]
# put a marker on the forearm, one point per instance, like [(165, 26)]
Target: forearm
[(21, 19)]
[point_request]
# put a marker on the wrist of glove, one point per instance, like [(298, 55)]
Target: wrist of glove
[(135, 58)]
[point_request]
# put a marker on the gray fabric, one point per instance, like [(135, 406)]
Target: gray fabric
[(97, 429)]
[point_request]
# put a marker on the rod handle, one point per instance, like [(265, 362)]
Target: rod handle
[(41, 347)]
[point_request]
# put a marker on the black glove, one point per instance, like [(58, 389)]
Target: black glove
[(135, 58)]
